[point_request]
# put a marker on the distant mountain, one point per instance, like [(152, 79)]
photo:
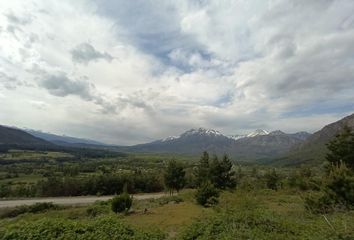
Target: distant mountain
[(266, 146), (191, 142), (313, 150), (259, 144), (17, 137), (64, 140)]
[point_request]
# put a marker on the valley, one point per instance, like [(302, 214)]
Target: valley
[(261, 189)]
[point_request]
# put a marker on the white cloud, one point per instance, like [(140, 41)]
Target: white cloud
[(122, 74)]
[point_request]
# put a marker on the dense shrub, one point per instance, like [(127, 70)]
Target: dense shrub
[(35, 208), (319, 203), (103, 228), (272, 179), (338, 191), (340, 185), (121, 203), (207, 194)]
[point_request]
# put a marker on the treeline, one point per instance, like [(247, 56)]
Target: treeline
[(78, 152)]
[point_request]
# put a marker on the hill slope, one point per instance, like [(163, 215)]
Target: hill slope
[(17, 137), (313, 150)]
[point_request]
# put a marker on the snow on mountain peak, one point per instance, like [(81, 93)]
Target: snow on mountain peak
[(258, 132)]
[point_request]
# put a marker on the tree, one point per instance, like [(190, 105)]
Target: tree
[(221, 174), (341, 148), (216, 172), (202, 171), (175, 176), (227, 175), (207, 194)]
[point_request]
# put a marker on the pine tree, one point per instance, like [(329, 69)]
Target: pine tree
[(227, 175), (175, 176), (341, 148), (202, 172), (216, 172)]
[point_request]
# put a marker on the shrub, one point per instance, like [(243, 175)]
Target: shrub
[(319, 203), (35, 208), (121, 203), (338, 191), (272, 179), (96, 210), (207, 194), (341, 184)]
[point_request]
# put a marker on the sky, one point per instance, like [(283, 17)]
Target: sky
[(128, 72)]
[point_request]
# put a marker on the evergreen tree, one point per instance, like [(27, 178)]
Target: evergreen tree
[(216, 172), (341, 148), (202, 172), (175, 176), (227, 175)]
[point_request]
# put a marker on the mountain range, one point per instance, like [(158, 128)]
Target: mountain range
[(258, 144), (274, 147)]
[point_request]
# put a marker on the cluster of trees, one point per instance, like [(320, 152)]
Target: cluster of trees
[(210, 176), (213, 175)]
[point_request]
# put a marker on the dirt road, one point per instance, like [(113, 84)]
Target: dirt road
[(84, 200)]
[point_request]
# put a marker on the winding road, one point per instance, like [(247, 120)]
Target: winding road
[(82, 200)]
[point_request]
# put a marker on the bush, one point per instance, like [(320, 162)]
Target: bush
[(319, 203), (340, 185), (121, 203), (207, 194), (35, 208), (338, 191), (272, 179)]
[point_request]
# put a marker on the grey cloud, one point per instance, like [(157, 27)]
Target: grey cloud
[(84, 53), (8, 82), (12, 18), (153, 28), (60, 85)]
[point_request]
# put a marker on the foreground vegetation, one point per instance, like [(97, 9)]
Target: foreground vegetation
[(242, 214)]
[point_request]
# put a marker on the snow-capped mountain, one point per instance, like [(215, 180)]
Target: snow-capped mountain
[(259, 143)]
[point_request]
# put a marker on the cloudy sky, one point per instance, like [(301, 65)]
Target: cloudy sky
[(128, 72)]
